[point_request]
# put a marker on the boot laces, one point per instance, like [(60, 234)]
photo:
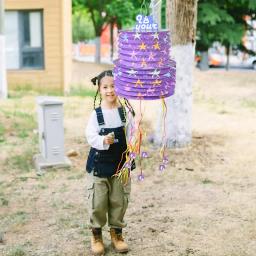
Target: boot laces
[(97, 238), (119, 237)]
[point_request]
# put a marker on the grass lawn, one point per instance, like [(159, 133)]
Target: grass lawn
[(203, 204)]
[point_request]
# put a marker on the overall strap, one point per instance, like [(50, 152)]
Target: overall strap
[(121, 112), (100, 117)]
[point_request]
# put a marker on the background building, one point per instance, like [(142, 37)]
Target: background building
[(38, 44)]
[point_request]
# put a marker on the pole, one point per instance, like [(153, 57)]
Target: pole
[(156, 8), (3, 82)]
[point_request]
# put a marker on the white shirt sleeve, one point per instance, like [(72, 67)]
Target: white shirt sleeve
[(92, 134)]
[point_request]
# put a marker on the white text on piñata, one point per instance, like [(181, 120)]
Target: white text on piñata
[(145, 23)]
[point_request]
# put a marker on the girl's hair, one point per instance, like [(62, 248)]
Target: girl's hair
[(96, 81), (129, 106)]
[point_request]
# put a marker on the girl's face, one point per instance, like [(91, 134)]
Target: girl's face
[(106, 90)]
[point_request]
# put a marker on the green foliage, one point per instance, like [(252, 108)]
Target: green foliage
[(81, 91), (207, 181), (96, 9), (23, 133), (222, 21), (163, 14), (212, 15), (102, 13), (17, 251), (231, 34), (20, 217), (121, 12), (22, 162), (249, 103), (2, 132), (3, 201), (76, 177), (21, 127), (19, 142), (22, 121), (26, 89), (82, 27)]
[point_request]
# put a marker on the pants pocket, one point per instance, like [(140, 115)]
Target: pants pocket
[(126, 195), (127, 187), (90, 195)]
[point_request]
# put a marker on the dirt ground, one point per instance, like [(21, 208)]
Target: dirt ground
[(203, 204)]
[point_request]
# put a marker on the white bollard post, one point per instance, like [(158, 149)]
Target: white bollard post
[(51, 134)]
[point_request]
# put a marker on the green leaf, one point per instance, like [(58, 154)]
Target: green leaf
[(223, 21), (210, 14)]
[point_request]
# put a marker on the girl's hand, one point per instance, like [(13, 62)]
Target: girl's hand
[(109, 139)]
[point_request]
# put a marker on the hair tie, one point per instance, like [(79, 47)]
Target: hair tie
[(94, 80)]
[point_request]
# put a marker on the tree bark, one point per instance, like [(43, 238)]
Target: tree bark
[(181, 21), (98, 30), (181, 17)]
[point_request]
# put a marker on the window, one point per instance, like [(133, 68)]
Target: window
[(24, 39)]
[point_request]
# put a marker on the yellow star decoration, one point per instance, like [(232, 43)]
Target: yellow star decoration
[(160, 63), (139, 83), (143, 63), (157, 82), (139, 95), (143, 46), (156, 46)]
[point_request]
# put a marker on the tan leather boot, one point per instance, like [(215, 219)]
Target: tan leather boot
[(97, 246), (117, 240)]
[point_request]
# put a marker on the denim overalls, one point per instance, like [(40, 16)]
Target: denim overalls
[(105, 163)]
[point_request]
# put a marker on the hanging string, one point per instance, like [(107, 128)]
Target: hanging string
[(164, 120), (138, 146), (163, 143), (124, 174), (133, 150)]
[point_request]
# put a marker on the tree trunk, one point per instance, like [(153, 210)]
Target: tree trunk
[(3, 82), (98, 46), (204, 62), (181, 21), (228, 57), (111, 40), (98, 31)]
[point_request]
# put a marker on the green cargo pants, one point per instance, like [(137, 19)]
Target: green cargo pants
[(107, 198)]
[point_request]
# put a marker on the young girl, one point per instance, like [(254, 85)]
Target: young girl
[(107, 196)]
